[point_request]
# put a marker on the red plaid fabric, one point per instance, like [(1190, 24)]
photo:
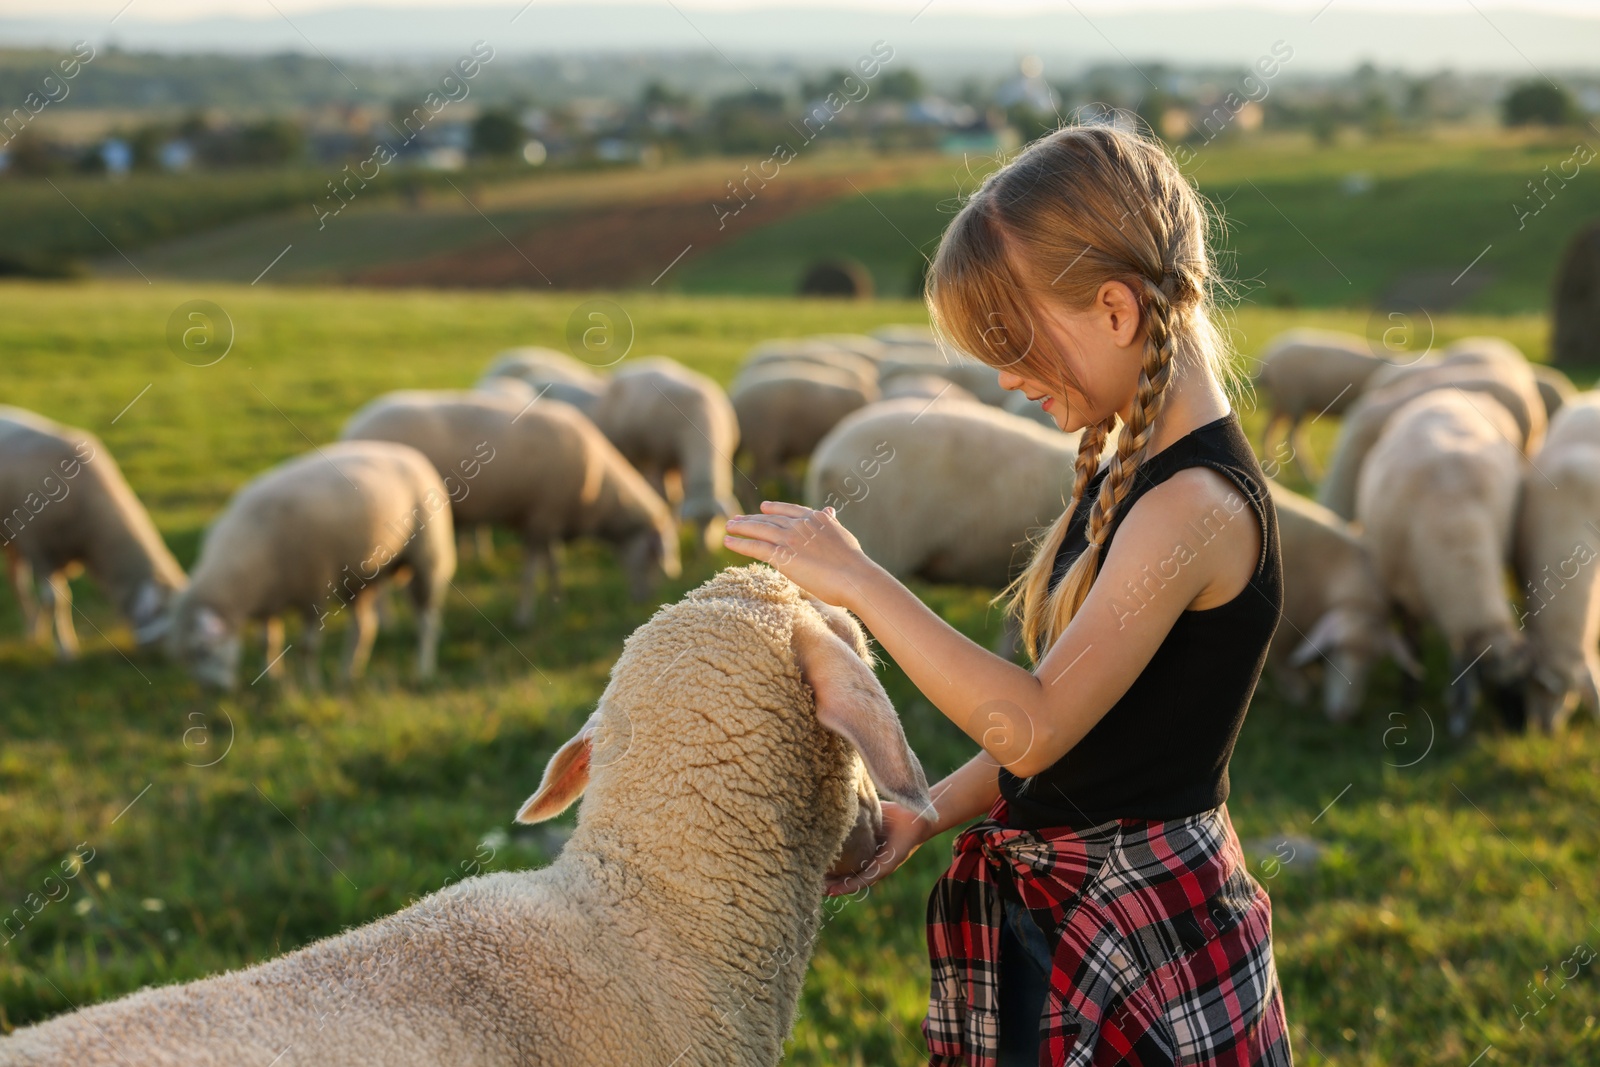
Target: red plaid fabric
[(1162, 945)]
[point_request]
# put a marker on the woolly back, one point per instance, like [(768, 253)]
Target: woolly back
[(1077, 208)]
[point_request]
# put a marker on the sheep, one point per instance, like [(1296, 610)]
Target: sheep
[(856, 343), (1505, 382), (927, 386), (784, 409), (314, 534), (1437, 504), (782, 353), (675, 424), (1334, 609), (552, 374), (980, 379), (1558, 532), (1310, 373), (64, 503), (543, 470), (1555, 388), (947, 491), (734, 762), (904, 335)]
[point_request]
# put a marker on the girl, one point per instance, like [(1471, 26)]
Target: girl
[(1101, 913)]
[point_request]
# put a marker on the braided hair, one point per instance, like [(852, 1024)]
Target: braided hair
[(1077, 208)]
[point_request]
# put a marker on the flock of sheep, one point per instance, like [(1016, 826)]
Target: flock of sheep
[(1451, 473), (1460, 495)]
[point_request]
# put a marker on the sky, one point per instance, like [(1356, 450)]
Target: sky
[(189, 9)]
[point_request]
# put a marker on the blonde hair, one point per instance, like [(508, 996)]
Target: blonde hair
[(1075, 209)]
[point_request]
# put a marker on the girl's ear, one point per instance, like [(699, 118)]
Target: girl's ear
[(1119, 312)]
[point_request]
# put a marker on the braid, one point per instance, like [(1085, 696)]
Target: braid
[(1034, 584), (1132, 445)]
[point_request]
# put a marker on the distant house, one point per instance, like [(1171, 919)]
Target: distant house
[(174, 156), (117, 156)]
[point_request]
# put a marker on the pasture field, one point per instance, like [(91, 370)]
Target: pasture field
[(1450, 881), (1394, 222)]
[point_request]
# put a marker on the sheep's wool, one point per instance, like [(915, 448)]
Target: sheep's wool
[(675, 927)]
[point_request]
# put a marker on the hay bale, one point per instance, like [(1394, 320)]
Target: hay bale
[(837, 277), (1576, 330)]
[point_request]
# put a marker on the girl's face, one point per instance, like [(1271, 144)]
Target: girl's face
[(1099, 350)]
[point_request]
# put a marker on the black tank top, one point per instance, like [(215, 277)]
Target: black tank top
[(1162, 750)]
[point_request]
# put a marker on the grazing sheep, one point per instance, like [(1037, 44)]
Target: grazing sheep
[(926, 386), (544, 471), (729, 768), (788, 353), (1437, 503), (676, 425), (979, 379), (1555, 388), (858, 343), (1508, 383), (784, 409), (65, 503), (1310, 373), (312, 535), (1558, 542), (947, 491), (552, 374), (1334, 608), (904, 335)]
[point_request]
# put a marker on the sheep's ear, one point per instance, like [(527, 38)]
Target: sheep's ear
[(1589, 685), (1320, 638), (1397, 647), (210, 624), (564, 778), (851, 702)]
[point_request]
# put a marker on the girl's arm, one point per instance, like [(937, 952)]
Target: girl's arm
[(1191, 542)]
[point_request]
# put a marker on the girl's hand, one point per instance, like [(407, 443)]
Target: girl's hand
[(809, 547), (904, 831)]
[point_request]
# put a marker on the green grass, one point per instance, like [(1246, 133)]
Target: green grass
[(1411, 941), (67, 219), (1295, 236)]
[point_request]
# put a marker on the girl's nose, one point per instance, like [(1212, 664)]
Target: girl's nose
[(1009, 380)]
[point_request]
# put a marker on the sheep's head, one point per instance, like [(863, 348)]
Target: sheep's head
[(1554, 691), (1348, 641), (649, 555), (204, 642), (150, 610), (746, 703)]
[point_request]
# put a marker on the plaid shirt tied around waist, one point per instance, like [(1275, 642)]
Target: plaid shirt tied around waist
[(1161, 939)]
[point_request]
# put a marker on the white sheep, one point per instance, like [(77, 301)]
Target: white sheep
[(1307, 372), (947, 491), (904, 335), (552, 374), (1558, 565), (1508, 383), (1437, 503), (927, 386), (678, 428), (311, 536), (977, 378), (858, 343), (1335, 610), (786, 353), (65, 503), (1555, 388), (729, 767), (784, 409), (544, 471)]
